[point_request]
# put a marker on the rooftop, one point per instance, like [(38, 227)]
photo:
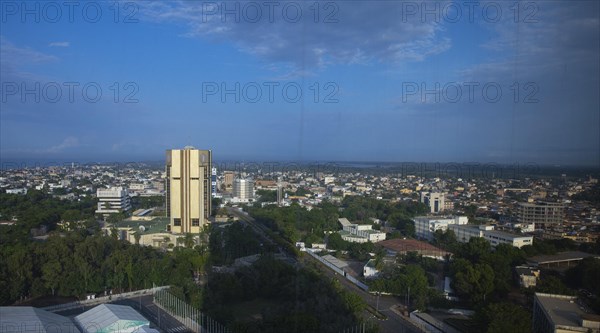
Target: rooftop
[(29, 319), (504, 234), (561, 256), (563, 310), (156, 225), (335, 261), (344, 222), (110, 317), (410, 245)]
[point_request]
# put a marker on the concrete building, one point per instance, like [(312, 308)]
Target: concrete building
[(562, 314), (188, 189), (527, 276), (465, 232), (500, 237), (359, 233), (542, 214), (369, 270), (22, 191), (213, 182), (228, 177), (243, 189), (426, 226), (113, 200), (434, 200)]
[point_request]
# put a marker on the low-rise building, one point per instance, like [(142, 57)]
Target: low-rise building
[(22, 191), (112, 200), (359, 233), (562, 314), (426, 226), (527, 276), (369, 270), (500, 237), (465, 232), (404, 246)]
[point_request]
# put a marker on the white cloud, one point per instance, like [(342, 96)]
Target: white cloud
[(13, 58), (12, 54), (364, 32), (69, 142)]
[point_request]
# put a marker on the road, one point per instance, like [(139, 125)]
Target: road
[(394, 324)]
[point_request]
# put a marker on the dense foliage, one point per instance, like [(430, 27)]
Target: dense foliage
[(398, 214), (503, 317), (280, 298), (295, 223), (408, 281), (75, 266), (37, 209)]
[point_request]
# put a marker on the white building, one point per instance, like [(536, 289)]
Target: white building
[(465, 232), (243, 189), (359, 233), (137, 187), (524, 227), (426, 226), (369, 270), (434, 200), (501, 237), (17, 191), (112, 200)]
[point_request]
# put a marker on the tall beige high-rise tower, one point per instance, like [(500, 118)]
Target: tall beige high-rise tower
[(188, 189)]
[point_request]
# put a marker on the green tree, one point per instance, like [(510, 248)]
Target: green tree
[(473, 282), (504, 317), (335, 242)]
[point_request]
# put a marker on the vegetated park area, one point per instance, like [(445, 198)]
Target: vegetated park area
[(269, 295)]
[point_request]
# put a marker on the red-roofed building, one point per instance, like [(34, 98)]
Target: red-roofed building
[(403, 246)]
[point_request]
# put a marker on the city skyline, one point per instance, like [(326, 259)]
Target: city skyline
[(398, 90)]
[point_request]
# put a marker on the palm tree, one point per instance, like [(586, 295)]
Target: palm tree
[(189, 240)]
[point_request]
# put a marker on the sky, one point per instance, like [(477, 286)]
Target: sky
[(393, 81)]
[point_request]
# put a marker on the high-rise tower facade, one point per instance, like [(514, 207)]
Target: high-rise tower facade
[(188, 189)]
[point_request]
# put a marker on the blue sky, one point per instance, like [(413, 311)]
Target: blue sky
[(390, 72)]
